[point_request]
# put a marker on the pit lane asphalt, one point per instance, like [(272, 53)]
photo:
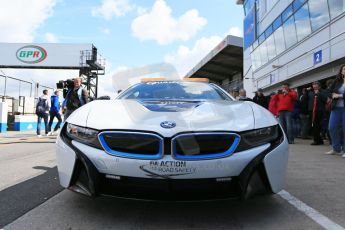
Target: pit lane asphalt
[(28, 177), (314, 178)]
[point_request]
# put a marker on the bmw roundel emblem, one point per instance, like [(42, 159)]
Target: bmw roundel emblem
[(168, 124)]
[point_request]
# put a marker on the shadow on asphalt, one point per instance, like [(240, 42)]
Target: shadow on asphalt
[(21, 198), (135, 214), (69, 210)]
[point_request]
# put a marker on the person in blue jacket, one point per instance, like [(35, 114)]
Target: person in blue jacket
[(54, 112)]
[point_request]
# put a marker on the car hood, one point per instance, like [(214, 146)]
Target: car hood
[(147, 116)]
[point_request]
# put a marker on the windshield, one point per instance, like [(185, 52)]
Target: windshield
[(163, 90)]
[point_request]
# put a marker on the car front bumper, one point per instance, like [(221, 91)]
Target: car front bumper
[(94, 172)]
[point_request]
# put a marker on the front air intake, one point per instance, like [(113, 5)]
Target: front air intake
[(132, 144), (197, 146)]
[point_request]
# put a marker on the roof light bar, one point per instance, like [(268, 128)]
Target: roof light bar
[(149, 79), (196, 79)]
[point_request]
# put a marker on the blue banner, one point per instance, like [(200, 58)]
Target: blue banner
[(249, 28)]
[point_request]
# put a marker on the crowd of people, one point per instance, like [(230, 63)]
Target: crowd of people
[(312, 112), (52, 107)]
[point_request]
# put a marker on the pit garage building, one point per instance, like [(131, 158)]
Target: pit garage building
[(295, 41), (223, 65)]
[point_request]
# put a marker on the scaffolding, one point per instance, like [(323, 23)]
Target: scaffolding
[(92, 65)]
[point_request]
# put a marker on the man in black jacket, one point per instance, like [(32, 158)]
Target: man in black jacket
[(316, 106), (261, 99), (304, 114)]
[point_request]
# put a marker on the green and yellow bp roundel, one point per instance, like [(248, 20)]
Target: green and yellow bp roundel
[(31, 54)]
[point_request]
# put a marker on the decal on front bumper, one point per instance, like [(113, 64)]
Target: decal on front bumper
[(167, 169)]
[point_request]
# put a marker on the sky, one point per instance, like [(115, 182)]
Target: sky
[(127, 33)]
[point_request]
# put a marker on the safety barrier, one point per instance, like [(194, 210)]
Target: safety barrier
[(3, 117), (28, 122)]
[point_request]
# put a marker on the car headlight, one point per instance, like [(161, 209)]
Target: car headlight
[(257, 137), (84, 135)]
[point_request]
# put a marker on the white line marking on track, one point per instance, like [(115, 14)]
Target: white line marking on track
[(310, 212)]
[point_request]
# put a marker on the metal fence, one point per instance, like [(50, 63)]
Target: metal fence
[(20, 95), (11, 87)]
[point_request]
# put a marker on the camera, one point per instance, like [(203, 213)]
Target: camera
[(65, 86)]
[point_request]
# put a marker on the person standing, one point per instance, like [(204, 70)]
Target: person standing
[(42, 111), (324, 128), (316, 106), (235, 93), (296, 121), (243, 95), (304, 114), (54, 112), (261, 99), (272, 105), (75, 98), (286, 99), (337, 117)]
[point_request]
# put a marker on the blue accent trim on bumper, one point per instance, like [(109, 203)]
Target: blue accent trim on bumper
[(205, 156), (132, 155)]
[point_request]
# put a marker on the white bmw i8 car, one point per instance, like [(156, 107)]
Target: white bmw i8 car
[(172, 140)]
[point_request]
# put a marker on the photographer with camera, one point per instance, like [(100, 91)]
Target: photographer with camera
[(75, 98), (286, 99)]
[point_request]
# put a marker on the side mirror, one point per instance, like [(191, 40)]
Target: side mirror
[(119, 91)]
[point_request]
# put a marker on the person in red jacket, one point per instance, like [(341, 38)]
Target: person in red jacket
[(272, 105), (285, 99)]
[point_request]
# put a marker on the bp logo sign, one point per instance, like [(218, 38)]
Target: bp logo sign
[(31, 54)]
